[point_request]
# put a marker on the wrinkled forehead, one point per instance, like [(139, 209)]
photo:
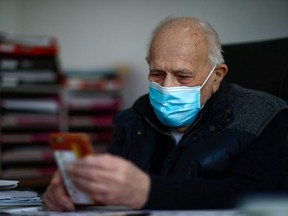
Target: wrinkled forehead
[(179, 43), (186, 29)]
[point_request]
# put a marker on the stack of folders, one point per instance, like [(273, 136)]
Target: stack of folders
[(9, 197)]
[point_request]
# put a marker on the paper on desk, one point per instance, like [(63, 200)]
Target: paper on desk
[(7, 184), (19, 198)]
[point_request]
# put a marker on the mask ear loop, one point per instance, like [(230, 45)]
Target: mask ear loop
[(208, 76), (207, 80)]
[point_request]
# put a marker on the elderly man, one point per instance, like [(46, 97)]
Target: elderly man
[(196, 141)]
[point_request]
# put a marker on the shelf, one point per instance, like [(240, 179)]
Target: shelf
[(32, 109), (30, 88)]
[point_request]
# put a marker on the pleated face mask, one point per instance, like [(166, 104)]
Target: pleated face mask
[(176, 106)]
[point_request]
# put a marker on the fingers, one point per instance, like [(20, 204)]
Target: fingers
[(111, 180), (55, 197), (102, 161), (93, 173), (108, 179), (95, 179)]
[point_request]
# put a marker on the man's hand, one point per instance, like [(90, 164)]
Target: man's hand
[(111, 180), (55, 197)]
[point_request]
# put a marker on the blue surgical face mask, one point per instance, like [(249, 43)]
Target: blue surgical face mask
[(176, 106)]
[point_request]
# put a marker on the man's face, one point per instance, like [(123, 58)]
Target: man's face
[(179, 58)]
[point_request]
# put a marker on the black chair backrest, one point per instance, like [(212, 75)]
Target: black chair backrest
[(261, 65)]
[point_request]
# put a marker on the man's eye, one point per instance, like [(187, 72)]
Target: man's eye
[(184, 77), (156, 76)]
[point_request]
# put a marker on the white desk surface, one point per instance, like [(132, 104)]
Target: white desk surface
[(37, 211)]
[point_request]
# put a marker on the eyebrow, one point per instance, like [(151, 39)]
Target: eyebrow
[(180, 70)]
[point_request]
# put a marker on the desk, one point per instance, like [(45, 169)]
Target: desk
[(36, 211), (28, 203), (260, 207)]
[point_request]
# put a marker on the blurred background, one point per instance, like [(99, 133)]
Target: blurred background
[(101, 33)]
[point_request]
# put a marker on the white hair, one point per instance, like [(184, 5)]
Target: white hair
[(214, 45)]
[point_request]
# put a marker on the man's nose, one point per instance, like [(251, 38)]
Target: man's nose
[(169, 81)]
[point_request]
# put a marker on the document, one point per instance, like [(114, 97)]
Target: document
[(10, 198)]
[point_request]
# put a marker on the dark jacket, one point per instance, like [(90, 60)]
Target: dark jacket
[(237, 145)]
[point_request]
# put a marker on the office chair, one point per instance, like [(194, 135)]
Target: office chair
[(261, 65)]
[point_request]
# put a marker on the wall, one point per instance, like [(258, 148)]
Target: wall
[(11, 16), (101, 33)]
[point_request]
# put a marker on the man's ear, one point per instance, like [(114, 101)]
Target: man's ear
[(220, 72)]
